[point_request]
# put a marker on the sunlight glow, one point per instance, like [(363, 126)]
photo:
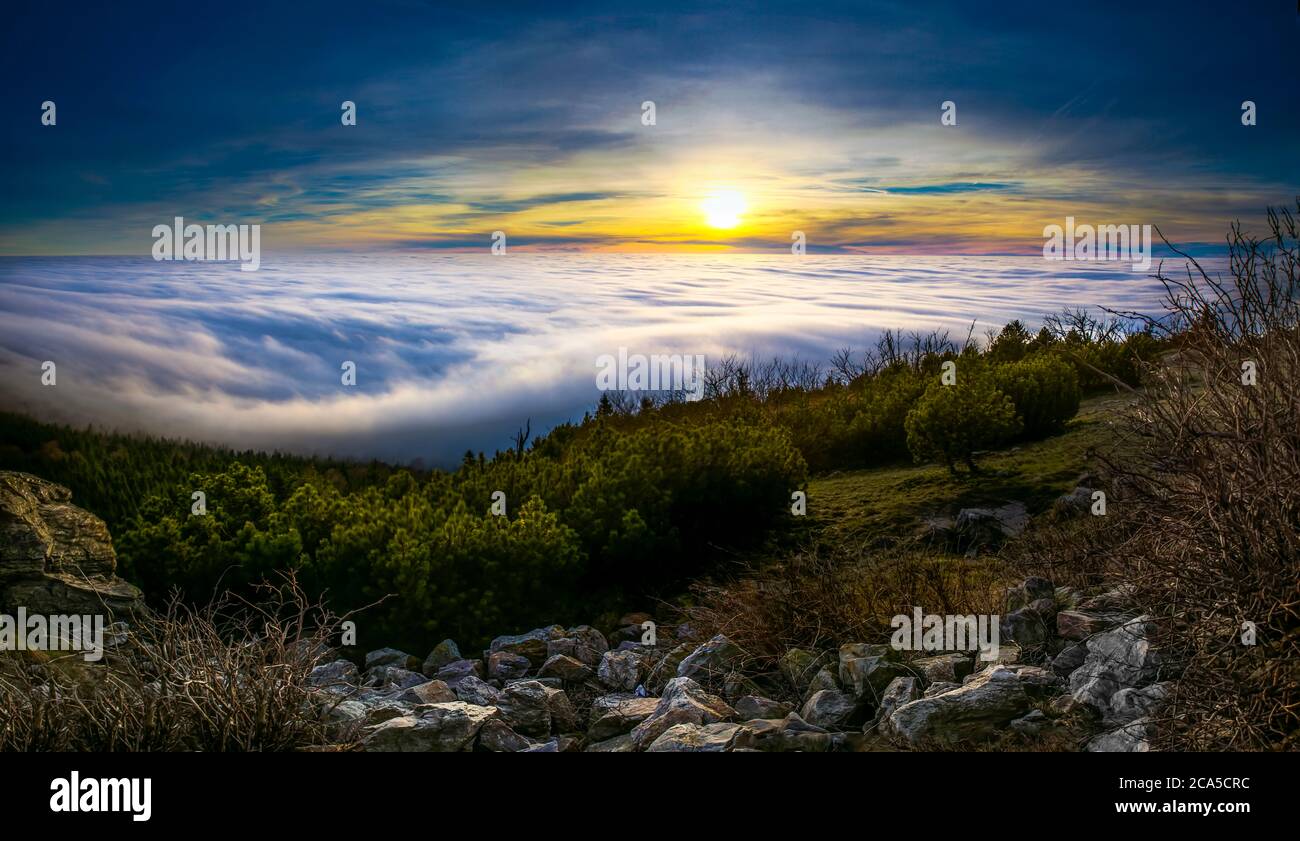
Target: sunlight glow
[(723, 209)]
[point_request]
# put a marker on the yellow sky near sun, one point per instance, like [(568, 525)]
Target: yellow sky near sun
[(666, 197), (740, 191)]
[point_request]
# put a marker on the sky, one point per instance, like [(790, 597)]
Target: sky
[(528, 119)]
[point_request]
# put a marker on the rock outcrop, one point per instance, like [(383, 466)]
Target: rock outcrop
[(56, 558)]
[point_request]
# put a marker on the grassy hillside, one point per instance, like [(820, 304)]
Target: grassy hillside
[(883, 505)]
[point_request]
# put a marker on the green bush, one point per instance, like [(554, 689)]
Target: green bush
[(1012, 344), (233, 545), (1044, 389), (611, 513), (457, 573), (951, 422), (1098, 362)]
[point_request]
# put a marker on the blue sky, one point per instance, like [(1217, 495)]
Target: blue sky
[(526, 118)]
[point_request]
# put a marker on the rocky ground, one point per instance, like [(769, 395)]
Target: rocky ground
[(1075, 669), (1094, 683)]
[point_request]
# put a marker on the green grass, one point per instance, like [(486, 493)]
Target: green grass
[(883, 505)]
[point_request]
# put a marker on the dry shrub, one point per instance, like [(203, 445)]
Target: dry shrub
[(822, 598), (231, 676), (1073, 551), (1213, 497)]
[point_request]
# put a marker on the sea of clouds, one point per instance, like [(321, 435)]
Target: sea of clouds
[(457, 351)]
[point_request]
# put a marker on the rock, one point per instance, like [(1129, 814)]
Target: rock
[(1007, 654), (1074, 503), (800, 667), (938, 530), (392, 657), (570, 743), (1134, 737), (564, 718), (565, 668), (496, 736), (552, 682), (975, 711), (940, 688), (683, 702), (452, 673), (439, 727), (504, 665), (429, 692), (867, 669), (1045, 607), (1130, 704), (985, 526), (711, 662), (1070, 658), (665, 668), (583, 643), (830, 708), (695, 738), (379, 711), (1031, 589), (534, 709), (755, 706), (613, 715), (635, 618), (901, 690), (346, 712), (1031, 625), (443, 653), (549, 746), (621, 669), (619, 744), (393, 676), (789, 734), (1035, 725), (558, 744), (472, 690), (526, 707), (1117, 659), (949, 668), (56, 558), (1079, 625), (340, 675), (824, 679), (531, 645)]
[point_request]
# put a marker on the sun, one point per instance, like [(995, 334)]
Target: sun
[(723, 208)]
